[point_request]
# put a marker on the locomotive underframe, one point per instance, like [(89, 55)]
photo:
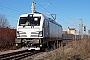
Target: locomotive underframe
[(40, 44)]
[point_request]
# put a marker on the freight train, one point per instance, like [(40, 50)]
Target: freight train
[(35, 31)]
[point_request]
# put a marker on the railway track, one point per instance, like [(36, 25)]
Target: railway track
[(17, 55)]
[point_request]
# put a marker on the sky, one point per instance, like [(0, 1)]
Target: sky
[(69, 12)]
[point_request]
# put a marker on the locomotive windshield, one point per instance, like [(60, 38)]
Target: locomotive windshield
[(29, 21)]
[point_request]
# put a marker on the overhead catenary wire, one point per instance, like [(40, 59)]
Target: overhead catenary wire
[(63, 14), (42, 6), (49, 12), (59, 10), (3, 6), (13, 20), (45, 7), (8, 7)]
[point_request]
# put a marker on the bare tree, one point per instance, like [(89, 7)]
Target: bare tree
[(3, 21)]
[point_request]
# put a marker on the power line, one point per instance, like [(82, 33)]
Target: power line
[(45, 6), (7, 7), (63, 14), (3, 6), (59, 10), (49, 12), (42, 6)]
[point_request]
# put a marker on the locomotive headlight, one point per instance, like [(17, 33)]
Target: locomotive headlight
[(40, 33), (24, 40), (16, 44), (40, 45)]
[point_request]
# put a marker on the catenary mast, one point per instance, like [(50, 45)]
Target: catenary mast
[(33, 7)]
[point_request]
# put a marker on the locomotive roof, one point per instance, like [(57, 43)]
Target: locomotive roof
[(25, 15), (39, 14)]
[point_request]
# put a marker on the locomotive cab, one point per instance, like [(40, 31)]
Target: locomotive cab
[(30, 31)]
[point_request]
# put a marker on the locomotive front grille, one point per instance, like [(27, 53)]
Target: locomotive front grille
[(34, 35), (34, 32), (23, 36)]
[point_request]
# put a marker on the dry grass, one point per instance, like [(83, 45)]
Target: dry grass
[(75, 50)]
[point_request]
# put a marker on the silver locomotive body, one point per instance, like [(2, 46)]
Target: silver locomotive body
[(41, 32)]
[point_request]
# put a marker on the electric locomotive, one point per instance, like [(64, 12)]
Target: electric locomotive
[(35, 31)]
